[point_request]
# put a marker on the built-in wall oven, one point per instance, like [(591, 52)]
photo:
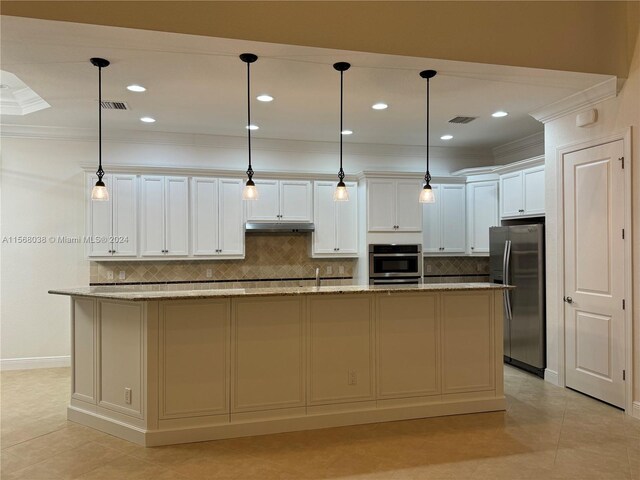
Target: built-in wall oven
[(395, 264)]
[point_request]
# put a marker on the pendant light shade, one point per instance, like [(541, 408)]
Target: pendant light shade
[(426, 195), (341, 193), (99, 192), (250, 192)]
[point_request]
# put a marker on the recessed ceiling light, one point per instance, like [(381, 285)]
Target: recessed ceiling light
[(499, 114), (264, 98), (446, 137), (252, 127), (136, 88), (347, 132), (380, 106), (147, 119)]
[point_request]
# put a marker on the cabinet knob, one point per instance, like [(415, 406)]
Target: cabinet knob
[(472, 248), (521, 211), (338, 249)]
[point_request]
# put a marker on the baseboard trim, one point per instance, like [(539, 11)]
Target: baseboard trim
[(551, 376), (29, 363), (635, 410)]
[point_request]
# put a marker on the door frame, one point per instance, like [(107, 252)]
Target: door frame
[(561, 151)]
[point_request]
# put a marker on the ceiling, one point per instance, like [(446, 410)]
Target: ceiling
[(197, 85)]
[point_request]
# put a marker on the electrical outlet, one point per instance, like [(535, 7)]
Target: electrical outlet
[(122, 275), (209, 273), (428, 268), (341, 269), (109, 274), (127, 396), (353, 378), (329, 269)]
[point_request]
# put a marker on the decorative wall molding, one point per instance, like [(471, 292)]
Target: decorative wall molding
[(578, 101), (527, 147), (34, 362), (240, 143)]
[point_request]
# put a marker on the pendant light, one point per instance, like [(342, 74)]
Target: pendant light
[(250, 192), (99, 192), (341, 193), (426, 195)]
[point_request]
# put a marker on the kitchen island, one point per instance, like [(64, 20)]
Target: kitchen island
[(164, 367)]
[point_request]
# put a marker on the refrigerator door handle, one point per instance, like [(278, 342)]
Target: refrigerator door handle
[(507, 265)]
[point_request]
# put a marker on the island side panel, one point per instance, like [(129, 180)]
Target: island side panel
[(498, 322), (83, 350)]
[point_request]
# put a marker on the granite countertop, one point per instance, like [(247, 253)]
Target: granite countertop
[(140, 294)]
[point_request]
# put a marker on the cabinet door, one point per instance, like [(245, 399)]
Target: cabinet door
[(125, 224), (408, 208), (231, 225), (99, 219), (533, 180), (324, 218), (152, 208), (177, 216), (483, 214), (454, 218), (347, 221), (511, 195), (381, 208), (204, 216), (432, 224), (267, 207), (295, 201)]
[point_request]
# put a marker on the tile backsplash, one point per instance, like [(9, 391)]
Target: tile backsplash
[(456, 269), (267, 257)]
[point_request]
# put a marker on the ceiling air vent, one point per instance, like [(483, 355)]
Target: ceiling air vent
[(107, 105), (461, 119)]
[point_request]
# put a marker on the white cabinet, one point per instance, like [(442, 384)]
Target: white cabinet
[(522, 193), (217, 223), (165, 216), (482, 213), (444, 221), (281, 201), (336, 223), (393, 206), (112, 225)]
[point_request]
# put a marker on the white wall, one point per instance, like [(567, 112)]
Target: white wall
[(614, 116), (43, 193)]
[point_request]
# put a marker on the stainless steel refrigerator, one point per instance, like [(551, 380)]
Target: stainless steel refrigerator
[(517, 258)]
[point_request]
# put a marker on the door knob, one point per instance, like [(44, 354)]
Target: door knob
[(568, 299)]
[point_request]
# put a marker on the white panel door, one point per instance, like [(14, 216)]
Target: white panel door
[(152, 209), (347, 224), (482, 213), (231, 225), (177, 216), (267, 207), (453, 218), (99, 219), (324, 218), (432, 224), (408, 208), (594, 271), (295, 201), (204, 216), (533, 181), (511, 195), (125, 223), (381, 205)]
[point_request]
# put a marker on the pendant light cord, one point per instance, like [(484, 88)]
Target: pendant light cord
[(341, 172), (100, 172), (249, 170), (427, 176)]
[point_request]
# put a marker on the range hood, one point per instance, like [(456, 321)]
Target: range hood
[(279, 227)]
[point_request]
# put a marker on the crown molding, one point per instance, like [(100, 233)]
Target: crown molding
[(369, 174), (467, 172), (240, 143), (578, 101), (527, 147), (521, 165)]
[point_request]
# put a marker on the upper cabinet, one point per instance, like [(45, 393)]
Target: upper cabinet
[(393, 206), (522, 193), (217, 220), (165, 216), (482, 213), (336, 223), (112, 225), (281, 201), (444, 222)]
